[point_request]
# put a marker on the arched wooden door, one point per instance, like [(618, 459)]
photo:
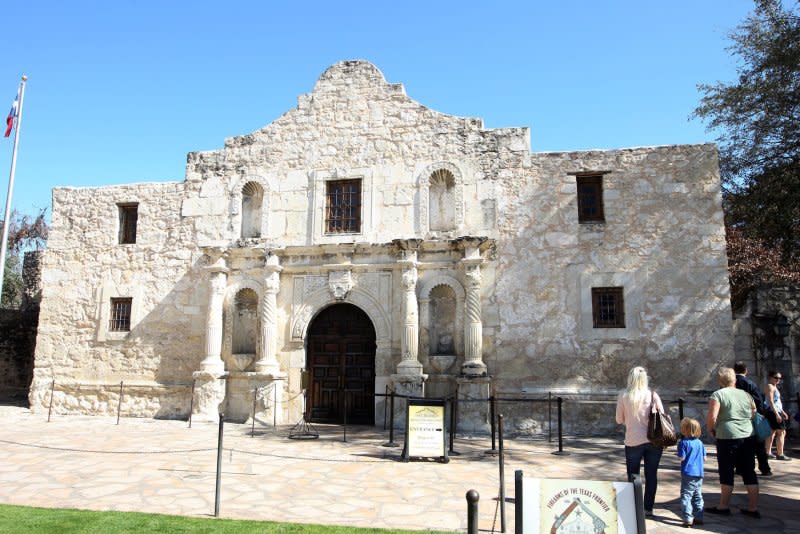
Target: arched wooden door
[(341, 366)]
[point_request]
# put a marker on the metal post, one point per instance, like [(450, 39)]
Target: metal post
[(274, 404), (472, 511), (680, 409), (549, 417), (191, 404), (453, 426), (638, 499), (119, 404), (253, 427), (492, 412), (502, 475), (559, 403), (52, 391), (391, 442), (385, 405), (344, 427), (219, 465), (519, 497)]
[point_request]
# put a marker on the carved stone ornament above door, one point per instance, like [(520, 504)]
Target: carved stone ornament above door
[(340, 283)]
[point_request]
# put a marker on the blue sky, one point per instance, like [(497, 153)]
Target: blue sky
[(119, 91)]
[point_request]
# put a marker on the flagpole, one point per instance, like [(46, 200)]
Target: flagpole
[(7, 219)]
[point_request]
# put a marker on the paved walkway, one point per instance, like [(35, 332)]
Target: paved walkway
[(165, 467)]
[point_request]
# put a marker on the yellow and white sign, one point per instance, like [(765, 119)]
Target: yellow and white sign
[(426, 430)]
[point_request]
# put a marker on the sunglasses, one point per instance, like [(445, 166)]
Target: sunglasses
[(777, 377)]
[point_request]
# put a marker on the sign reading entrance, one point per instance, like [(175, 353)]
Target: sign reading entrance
[(425, 429), (563, 506)]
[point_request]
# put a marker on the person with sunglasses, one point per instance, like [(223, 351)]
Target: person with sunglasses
[(776, 416)]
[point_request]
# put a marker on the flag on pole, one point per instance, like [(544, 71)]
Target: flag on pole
[(12, 115)]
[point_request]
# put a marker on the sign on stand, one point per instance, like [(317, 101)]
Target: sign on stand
[(561, 506), (426, 434)]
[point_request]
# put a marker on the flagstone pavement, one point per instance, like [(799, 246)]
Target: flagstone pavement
[(166, 467)]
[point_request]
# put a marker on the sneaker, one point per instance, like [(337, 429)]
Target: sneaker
[(697, 521), (687, 524), (771, 456), (783, 457), (766, 473), (755, 514), (718, 511)]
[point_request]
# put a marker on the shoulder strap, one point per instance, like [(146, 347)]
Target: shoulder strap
[(653, 407)]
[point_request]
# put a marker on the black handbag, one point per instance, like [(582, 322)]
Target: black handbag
[(660, 431)]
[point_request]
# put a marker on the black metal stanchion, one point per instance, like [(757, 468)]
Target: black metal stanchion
[(191, 404), (385, 406), (560, 451), (119, 404), (52, 391), (391, 442), (680, 409), (219, 465), (549, 417), (502, 475), (492, 412), (453, 406), (253, 426), (344, 426), (472, 511)]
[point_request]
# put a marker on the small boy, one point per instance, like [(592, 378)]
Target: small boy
[(692, 454)]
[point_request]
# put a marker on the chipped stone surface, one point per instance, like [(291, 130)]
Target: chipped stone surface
[(514, 216)]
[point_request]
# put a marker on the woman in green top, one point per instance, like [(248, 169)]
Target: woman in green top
[(730, 414)]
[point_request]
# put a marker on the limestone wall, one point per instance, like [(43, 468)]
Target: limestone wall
[(662, 240)]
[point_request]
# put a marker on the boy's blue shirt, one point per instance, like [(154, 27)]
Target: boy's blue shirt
[(693, 453)]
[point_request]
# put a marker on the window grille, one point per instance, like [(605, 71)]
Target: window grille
[(608, 307), (343, 207), (590, 199), (120, 320), (128, 216)]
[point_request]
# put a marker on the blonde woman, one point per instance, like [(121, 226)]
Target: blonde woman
[(633, 411)]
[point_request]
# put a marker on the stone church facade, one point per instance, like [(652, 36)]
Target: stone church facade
[(362, 243)]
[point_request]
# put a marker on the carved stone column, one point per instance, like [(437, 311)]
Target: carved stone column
[(409, 342), (209, 390), (218, 281), (268, 361), (473, 325)]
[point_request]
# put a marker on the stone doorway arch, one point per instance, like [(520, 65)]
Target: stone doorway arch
[(340, 360)]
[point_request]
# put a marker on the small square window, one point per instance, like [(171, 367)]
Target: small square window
[(608, 307), (128, 216), (120, 320), (590, 198), (343, 207)]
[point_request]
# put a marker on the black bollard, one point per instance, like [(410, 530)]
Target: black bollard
[(549, 417), (680, 409), (560, 451), (472, 511), (502, 475), (219, 465), (453, 403), (119, 404)]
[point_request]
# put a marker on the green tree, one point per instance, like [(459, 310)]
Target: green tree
[(758, 117), (25, 232)]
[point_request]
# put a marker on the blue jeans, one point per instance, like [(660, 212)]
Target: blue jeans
[(691, 498), (633, 462)]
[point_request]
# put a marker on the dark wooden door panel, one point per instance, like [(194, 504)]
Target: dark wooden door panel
[(341, 361)]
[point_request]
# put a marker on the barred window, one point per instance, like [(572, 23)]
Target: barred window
[(343, 207), (120, 320), (128, 216), (590, 198), (608, 307)]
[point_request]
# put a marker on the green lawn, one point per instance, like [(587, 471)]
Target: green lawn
[(24, 520)]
